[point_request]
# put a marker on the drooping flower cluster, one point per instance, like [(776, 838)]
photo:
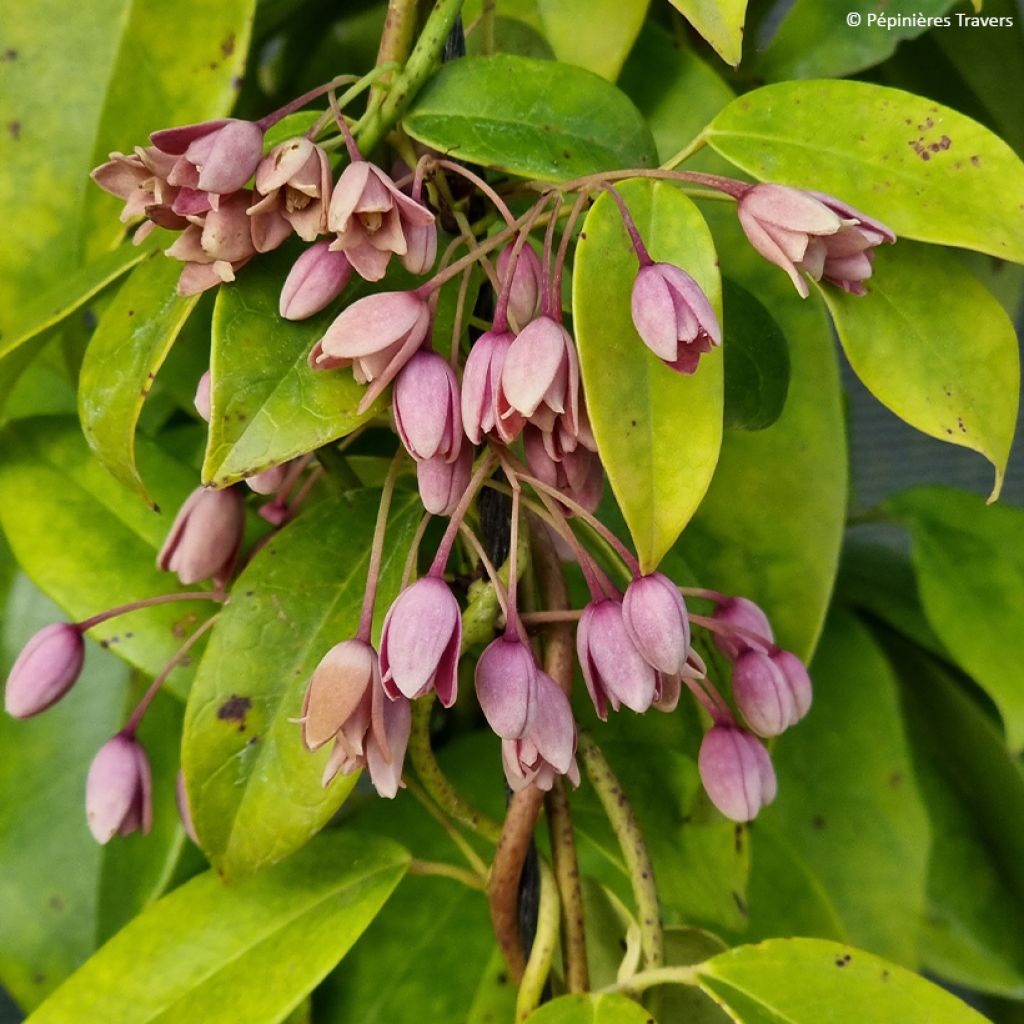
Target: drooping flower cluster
[(513, 407)]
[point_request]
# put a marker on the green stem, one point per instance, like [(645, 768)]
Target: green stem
[(659, 976), (441, 870), (487, 20), (688, 150), (436, 783), (467, 851), (634, 850), (411, 78), (395, 40), (531, 988), (567, 874)]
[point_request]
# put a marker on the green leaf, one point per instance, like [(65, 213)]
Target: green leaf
[(534, 118), (267, 404), (254, 790), (593, 34), (136, 67), (970, 574), (815, 39), (685, 946), (808, 981), (720, 22), (591, 1008), (658, 432), (927, 171), (974, 792), (847, 799), (771, 525), (495, 999), (49, 862), (756, 362), (131, 342), (89, 545), (138, 869), (673, 88), (38, 312), (906, 341), (249, 951)]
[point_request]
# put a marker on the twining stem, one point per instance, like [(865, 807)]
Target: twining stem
[(436, 783), (487, 21), (416, 71), (634, 850), (567, 875), (687, 151), (552, 617), (430, 867), (465, 172), (535, 974), (467, 851), (503, 887), (395, 40), (730, 186)]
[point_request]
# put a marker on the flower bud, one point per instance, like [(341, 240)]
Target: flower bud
[(762, 694), (482, 411), (673, 316), (206, 536), (269, 480), (316, 279), (442, 483), (613, 669), (540, 378), (421, 240), (506, 686), (427, 408), (118, 797), (527, 292), (549, 747), (202, 399), (45, 670), (736, 771), (654, 615), (421, 641), (339, 686), (747, 616), (797, 679)]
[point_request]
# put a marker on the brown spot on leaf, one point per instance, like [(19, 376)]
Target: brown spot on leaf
[(976, 160), (227, 45), (14, 127), (234, 709)]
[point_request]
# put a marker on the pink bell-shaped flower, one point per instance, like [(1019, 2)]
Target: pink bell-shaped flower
[(421, 641), (427, 408), (506, 686), (548, 748), (442, 483), (654, 614), (736, 771), (762, 694), (118, 790), (482, 409), (315, 280), (526, 293), (613, 668), (206, 536), (750, 622), (673, 316)]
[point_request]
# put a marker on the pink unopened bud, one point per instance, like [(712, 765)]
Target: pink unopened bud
[(338, 690), (614, 670), (673, 316), (540, 378), (750, 622), (549, 747), (797, 679), (316, 279), (654, 615), (427, 408), (442, 483), (206, 536), (376, 336), (45, 670), (506, 687), (482, 411), (370, 217), (527, 291), (420, 642), (202, 399), (736, 771), (118, 790), (811, 232), (421, 240), (762, 694)]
